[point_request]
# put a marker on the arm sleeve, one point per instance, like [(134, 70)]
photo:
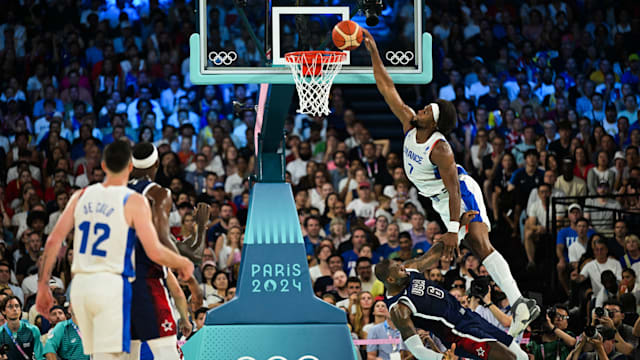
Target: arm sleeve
[(54, 339)]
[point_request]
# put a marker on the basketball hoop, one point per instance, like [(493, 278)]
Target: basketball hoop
[(313, 72)]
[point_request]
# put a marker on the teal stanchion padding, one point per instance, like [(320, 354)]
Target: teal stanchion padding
[(270, 342), (274, 285), (275, 314)]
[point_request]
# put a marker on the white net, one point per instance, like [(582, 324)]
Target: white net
[(313, 72)]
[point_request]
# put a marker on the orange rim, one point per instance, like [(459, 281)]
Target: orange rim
[(326, 57)]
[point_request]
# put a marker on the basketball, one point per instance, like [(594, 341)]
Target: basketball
[(347, 35)]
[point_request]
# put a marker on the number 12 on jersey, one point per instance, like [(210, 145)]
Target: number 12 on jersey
[(100, 230)]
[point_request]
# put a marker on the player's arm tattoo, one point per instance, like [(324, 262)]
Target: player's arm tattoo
[(401, 318), (428, 260)]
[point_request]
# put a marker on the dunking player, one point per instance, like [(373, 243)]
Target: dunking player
[(415, 302), (431, 167), (106, 218), (153, 326)]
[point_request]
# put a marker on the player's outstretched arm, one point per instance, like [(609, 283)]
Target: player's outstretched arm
[(428, 260), (385, 84), (44, 298), (138, 214), (442, 157), (401, 318)]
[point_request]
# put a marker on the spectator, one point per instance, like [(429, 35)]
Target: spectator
[(602, 262), (26, 335), (364, 206), (313, 238), (571, 185), (595, 208)]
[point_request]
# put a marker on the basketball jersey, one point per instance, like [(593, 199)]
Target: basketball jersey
[(103, 242), (431, 306), (418, 166), (145, 267)]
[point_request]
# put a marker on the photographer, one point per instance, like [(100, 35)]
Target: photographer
[(551, 339), (486, 305), (603, 343), (611, 316)]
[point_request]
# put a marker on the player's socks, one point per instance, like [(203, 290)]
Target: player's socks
[(517, 350), (499, 270)]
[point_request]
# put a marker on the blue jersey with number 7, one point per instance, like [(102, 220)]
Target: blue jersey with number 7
[(102, 239)]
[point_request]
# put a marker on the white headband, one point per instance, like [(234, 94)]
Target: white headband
[(146, 162), (435, 109)]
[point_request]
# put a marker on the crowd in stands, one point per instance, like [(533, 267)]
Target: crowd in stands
[(548, 104)]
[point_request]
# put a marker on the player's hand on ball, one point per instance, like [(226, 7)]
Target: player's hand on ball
[(369, 42), (466, 218)]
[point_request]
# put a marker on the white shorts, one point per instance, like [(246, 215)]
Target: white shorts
[(164, 348), (471, 199), (102, 305)]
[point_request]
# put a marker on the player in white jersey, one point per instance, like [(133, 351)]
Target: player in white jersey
[(106, 218), (429, 163)]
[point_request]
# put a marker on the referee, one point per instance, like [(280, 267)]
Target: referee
[(65, 341)]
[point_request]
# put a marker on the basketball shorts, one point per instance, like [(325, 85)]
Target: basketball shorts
[(474, 336), (102, 305), (471, 199), (164, 348)]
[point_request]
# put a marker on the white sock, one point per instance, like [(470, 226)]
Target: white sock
[(499, 270), (517, 350)]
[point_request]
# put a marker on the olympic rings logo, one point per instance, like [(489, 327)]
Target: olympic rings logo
[(278, 357), (399, 57), (223, 57)]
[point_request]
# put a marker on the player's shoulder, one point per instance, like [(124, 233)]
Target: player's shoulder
[(156, 191)]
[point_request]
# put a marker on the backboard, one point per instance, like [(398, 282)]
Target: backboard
[(245, 41)]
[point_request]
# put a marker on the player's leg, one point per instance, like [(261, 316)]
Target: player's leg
[(80, 297), (524, 310), (163, 348), (111, 356), (112, 319)]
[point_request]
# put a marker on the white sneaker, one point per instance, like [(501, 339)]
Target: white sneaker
[(524, 311)]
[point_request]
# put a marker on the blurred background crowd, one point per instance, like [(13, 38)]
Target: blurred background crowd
[(548, 104)]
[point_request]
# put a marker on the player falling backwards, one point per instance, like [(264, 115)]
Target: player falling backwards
[(430, 165), (415, 302)]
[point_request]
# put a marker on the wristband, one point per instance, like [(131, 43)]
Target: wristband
[(453, 226), (488, 305), (416, 347)]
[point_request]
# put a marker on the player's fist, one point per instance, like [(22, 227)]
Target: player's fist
[(185, 272)]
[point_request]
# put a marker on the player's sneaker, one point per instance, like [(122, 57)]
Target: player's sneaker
[(524, 311)]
